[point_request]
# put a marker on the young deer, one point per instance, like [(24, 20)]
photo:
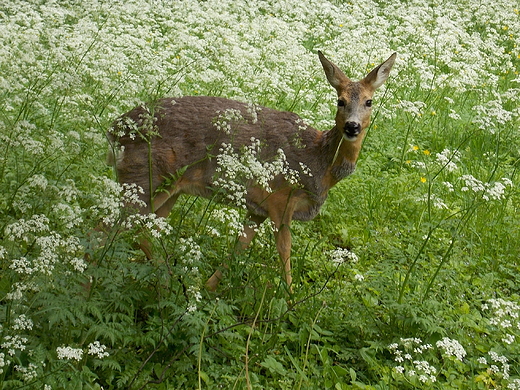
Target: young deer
[(171, 150)]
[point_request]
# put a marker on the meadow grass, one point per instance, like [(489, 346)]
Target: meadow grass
[(408, 278)]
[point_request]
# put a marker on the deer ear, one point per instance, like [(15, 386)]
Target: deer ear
[(378, 76), (334, 74)]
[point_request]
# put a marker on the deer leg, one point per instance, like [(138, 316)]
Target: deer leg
[(283, 245), (250, 227), (165, 209), (281, 209)]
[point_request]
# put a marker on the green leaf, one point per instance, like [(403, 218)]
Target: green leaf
[(273, 365)]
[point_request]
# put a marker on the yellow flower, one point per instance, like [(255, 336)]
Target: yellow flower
[(415, 147), (423, 180), (426, 152)]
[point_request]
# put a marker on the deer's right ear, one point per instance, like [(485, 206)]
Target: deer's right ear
[(334, 74)]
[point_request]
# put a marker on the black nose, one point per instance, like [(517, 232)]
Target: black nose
[(352, 128)]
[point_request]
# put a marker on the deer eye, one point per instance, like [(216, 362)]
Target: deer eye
[(341, 103), (368, 103)]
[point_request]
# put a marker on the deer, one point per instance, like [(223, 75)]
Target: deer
[(172, 149)]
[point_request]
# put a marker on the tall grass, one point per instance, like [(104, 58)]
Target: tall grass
[(408, 278)]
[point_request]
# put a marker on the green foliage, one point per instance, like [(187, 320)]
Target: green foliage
[(407, 279)]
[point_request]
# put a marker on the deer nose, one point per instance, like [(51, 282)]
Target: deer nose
[(352, 128)]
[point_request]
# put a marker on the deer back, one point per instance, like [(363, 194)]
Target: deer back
[(182, 137)]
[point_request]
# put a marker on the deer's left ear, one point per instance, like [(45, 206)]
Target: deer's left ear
[(378, 75)]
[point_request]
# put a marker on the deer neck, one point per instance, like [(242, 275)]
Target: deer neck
[(341, 154)]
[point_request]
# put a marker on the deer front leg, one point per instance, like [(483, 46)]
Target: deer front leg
[(250, 228), (281, 208)]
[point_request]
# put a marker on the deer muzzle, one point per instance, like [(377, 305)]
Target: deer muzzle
[(352, 129)]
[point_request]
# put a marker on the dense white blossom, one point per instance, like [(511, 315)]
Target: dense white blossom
[(451, 347), (69, 353), (98, 350), (342, 255)]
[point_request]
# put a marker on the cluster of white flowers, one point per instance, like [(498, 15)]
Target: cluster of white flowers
[(224, 120), (22, 322), (69, 353), (130, 194), (68, 215), (489, 191), (497, 364), (506, 316), (94, 349), (29, 373), (14, 343), (434, 199), (359, 277), (231, 219), (342, 255), (38, 181), (253, 110), (112, 197), (52, 248), (78, 264), (67, 191), (416, 108), (195, 297), (97, 349), (451, 347), (410, 363), (3, 363), (191, 250), (236, 170), (448, 159), (157, 226), (492, 115), (25, 230)]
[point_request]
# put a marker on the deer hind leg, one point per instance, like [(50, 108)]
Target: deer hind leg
[(250, 228)]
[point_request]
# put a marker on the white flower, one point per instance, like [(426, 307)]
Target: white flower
[(69, 353), (22, 322), (452, 348), (97, 349), (509, 339), (78, 264), (393, 346), (14, 343), (448, 159), (28, 373), (342, 255)]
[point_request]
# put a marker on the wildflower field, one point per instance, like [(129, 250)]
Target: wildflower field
[(409, 278)]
